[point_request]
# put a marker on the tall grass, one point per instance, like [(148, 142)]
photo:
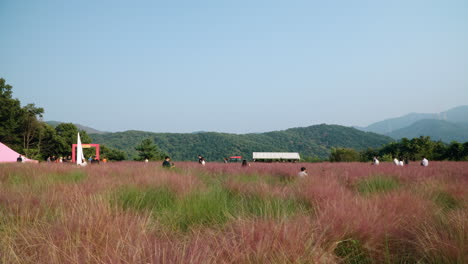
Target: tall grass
[(132, 212), (376, 184), (212, 207)]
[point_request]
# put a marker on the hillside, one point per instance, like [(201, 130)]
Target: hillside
[(456, 115), (436, 129), (313, 141)]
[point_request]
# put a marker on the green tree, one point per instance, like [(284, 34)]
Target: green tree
[(439, 151), (148, 150), (49, 143), (68, 133), (465, 151), (455, 151), (368, 154), (112, 153), (31, 125), (343, 155), (10, 117)]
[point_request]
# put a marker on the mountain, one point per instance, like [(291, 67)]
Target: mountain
[(456, 115), (88, 130), (313, 141), (436, 129)]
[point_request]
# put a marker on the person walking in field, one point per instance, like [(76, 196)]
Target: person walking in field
[(245, 163), (303, 173), (424, 162), (167, 163), (201, 160)]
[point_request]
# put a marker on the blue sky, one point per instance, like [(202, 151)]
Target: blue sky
[(234, 66)]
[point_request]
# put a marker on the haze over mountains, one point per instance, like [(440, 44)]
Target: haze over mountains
[(88, 129), (447, 126)]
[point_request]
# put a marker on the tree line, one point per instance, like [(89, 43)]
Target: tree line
[(22, 129), (407, 149)]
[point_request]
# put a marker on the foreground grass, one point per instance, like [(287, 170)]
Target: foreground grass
[(134, 213), (377, 184), (212, 207)]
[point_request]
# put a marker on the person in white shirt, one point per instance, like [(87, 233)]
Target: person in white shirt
[(396, 161), (424, 162), (84, 163), (375, 161), (302, 173)]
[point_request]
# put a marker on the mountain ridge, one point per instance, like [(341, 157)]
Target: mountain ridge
[(446, 126), (436, 129), (313, 141)]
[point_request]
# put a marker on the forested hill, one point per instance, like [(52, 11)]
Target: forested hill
[(314, 141)]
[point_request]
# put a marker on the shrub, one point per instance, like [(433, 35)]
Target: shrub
[(344, 155)]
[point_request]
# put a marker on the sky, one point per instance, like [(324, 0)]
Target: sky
[(234, 66)]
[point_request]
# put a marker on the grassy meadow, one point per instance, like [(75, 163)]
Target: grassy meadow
[(131, 212)]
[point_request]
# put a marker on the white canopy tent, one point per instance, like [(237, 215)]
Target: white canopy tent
[(276, 156)]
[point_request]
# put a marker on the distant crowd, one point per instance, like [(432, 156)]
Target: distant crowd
[(402, 162)]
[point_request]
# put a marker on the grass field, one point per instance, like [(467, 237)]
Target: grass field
[(133, 212)]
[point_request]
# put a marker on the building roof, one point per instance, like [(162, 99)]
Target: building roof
[(276, 155)]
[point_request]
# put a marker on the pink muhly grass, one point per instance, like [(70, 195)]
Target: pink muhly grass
[(58, 213), (268, 241), (444, 240)]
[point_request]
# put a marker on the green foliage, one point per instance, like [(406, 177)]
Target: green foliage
[(51, 143), (11, 116), (214, 206), (455, 151), (344, 155), (446, 200), (154, 199), (69, 132), (311, 159), (71, 177), (148, 150), (112, 154), (208, 208), (376, 184), (417, 148), (351, 251), (368, 154), (31, 127)]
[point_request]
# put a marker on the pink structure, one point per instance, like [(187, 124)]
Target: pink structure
[(84, 146), (9, 155)]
